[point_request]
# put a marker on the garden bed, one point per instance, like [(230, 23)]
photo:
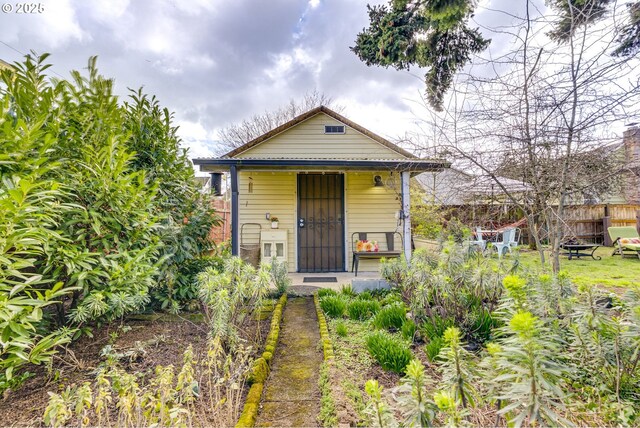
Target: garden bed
[(460, 340), (148, 343)]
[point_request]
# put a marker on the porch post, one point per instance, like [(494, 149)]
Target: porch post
[(235, 227), (406, 207)]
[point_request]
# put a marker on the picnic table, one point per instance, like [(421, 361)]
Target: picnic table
[(580, 250)]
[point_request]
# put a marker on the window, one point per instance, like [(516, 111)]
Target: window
[(334, 129)]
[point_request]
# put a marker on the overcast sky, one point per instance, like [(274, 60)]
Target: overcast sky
[(215, 62)]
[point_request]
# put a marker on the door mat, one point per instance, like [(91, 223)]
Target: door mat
[(320, 279)]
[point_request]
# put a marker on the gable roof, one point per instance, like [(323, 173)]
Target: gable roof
[(304, 116)]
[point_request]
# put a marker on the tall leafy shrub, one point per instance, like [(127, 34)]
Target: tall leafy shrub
[(135, 214), (90, 212), (30, 212), (187, 216)]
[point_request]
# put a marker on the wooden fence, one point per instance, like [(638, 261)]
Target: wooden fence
[(221, 232), (590, 222)]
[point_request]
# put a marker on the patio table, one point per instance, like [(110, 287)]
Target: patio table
[(580, 250), (489, 235)]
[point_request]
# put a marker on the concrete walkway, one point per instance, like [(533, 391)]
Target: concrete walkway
[(292, 396), (343, 278)]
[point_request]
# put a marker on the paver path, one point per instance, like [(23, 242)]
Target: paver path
[(292, 396)]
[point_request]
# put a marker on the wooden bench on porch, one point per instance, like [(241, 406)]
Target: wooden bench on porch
[(363, 246)]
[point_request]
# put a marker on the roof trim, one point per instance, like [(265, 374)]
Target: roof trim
[(413, 165), (304, 116)]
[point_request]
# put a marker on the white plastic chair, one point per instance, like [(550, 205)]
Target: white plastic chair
[(508, 241), (478, 242)]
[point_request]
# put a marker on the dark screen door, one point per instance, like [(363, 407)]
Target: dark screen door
[(321, 222)]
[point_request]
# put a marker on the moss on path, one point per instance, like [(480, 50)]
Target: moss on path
[(292, 396)]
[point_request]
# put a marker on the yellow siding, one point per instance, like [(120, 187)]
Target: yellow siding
[(272, 192), (307, 140), (368, 208), (371, 209)]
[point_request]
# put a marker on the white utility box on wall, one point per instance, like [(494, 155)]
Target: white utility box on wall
[(274, 244)]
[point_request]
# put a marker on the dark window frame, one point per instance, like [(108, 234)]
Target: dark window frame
[(335, 129)]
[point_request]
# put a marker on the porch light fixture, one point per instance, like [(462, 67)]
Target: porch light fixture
[(377, 181)]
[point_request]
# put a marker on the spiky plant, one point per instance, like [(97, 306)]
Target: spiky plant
[(411, 395), (457, 368), (187, 385), (605, 346), (379, 413), (449, 286), (280, 276), (230, 295), (530, 379), (447, 404)]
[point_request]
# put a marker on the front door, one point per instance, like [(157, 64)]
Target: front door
[(321, 222)]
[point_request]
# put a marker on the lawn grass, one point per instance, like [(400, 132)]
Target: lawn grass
[(610, 272)]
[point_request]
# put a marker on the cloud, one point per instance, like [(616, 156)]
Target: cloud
[(56, 27), (215, 62)]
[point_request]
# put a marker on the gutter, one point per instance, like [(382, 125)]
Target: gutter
[(413, 165)]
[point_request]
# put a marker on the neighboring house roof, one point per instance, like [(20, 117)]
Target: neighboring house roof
[(304, 116), (455, 187), (485, 184)]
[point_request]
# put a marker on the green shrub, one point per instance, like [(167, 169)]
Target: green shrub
[(333, 306), (365, 295), (433, 348), (455, 231), (362, 309), (391, 299), (185, 288), (347, 290), (341, 329), (379, 293), (435, 327), (449, 285), (280, 276), (427, 219), (409, 329), (390, 317), (326, 292), (481, 325), (392, 354)]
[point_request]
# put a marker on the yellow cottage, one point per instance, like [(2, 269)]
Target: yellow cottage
[(333, 186)]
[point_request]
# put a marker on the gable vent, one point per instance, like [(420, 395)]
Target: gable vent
[(334, 129)]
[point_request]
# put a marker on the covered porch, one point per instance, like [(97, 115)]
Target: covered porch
[(320, 205)]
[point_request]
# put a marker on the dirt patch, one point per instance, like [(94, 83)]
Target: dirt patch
[(292, 396), (152, 342)]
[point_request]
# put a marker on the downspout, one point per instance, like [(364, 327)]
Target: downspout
[(235, 227)]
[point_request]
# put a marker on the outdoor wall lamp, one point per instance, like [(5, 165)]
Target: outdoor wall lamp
[(377, 181)]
